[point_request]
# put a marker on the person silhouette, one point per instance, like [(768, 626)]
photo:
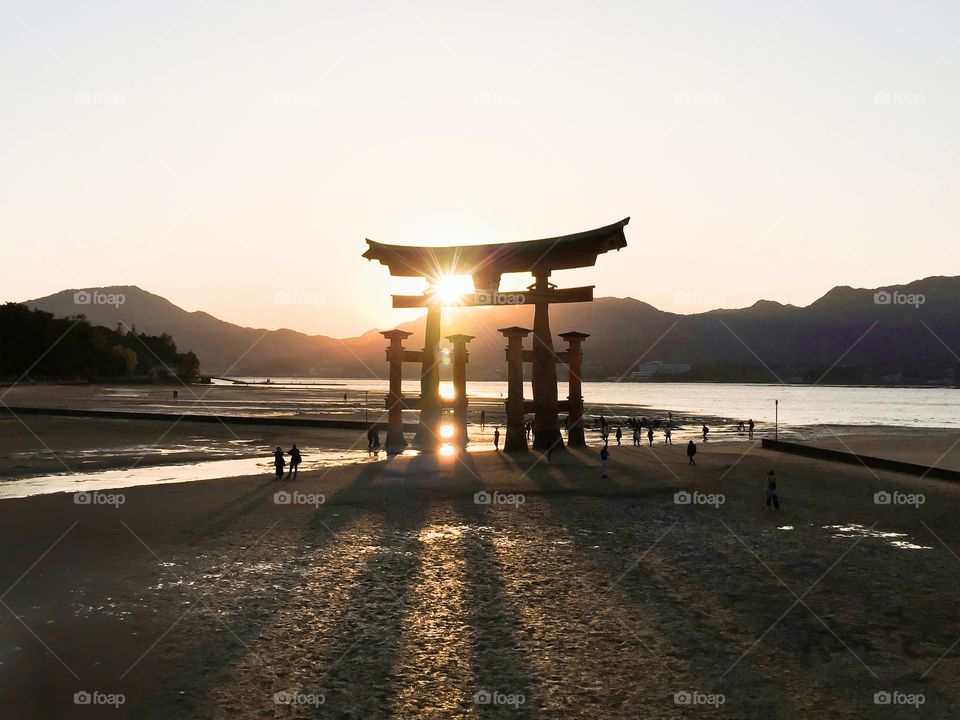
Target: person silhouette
[(706, 431), (750, 428), (691, 451), (604, 460), (496, 439), (619, 434), (279, 462), (772, 496), (294, 454), (668, 435), (483, 419), (650, 436)]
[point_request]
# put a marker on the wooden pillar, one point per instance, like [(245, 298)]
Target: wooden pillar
[(430, 410), (575, 390), (395, 440), (516, 435), (460, 357), (546, 423)]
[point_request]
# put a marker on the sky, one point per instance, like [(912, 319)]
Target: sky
[(233, 156)]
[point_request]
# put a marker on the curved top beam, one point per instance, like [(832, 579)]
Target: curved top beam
[(487, 262)]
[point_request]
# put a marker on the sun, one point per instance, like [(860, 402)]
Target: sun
[(450, 288)]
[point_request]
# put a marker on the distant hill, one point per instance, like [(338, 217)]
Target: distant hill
[(849, 335)]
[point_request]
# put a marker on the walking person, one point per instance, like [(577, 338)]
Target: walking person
[(750, 428), (706, 431), (691, 451), (496, 439), (483, 419), (772, 497), (294, 454), (604, 460), (668, 435), (619, 434), (279, 462), (650, 436), (636, 437)]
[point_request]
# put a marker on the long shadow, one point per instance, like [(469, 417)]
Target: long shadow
[(357, 681), (497, 662), (206, 662)]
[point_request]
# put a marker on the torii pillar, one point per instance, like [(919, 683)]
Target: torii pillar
[(574, 389), (516, 435), (395, 440), (430, 407), (460, 356), (546, 423)]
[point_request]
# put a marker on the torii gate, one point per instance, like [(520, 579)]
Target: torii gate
[(486, 264)]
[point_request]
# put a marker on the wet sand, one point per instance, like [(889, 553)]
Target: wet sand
[(401, 596)]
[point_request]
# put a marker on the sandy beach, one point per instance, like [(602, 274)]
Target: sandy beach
[(390, 589)]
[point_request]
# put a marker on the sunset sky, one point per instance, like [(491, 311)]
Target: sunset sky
[(220, 153)]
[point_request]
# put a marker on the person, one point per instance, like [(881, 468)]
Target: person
[(691, 451), (294, 461), (619, 434), (279, 462), (636, 437), (750, 428), (483, 418), (670, 416), (668, 435), (772, 491), (650, 436), (376, 441), (176, 394), (604, 459), (496, 439), (527, 427), (706, 430), (370, 441)]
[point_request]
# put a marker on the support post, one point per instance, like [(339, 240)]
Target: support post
[(395, 440), (460, 357), (516, 436), (575, 389), (430, 409), (546, 424)]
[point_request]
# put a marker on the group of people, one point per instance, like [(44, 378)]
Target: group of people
[(280, 462)]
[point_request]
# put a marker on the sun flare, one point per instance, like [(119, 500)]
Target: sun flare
[(450, 288)]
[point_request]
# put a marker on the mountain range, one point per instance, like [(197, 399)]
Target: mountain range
[(904, 334)]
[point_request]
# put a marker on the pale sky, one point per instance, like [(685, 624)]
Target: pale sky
[(219, 153)]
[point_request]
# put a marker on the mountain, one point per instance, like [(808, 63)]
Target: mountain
[(907, 334)]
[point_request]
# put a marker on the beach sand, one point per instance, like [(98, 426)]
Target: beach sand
[(401, 596)]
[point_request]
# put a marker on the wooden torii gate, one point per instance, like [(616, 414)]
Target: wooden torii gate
[(486, 264)]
